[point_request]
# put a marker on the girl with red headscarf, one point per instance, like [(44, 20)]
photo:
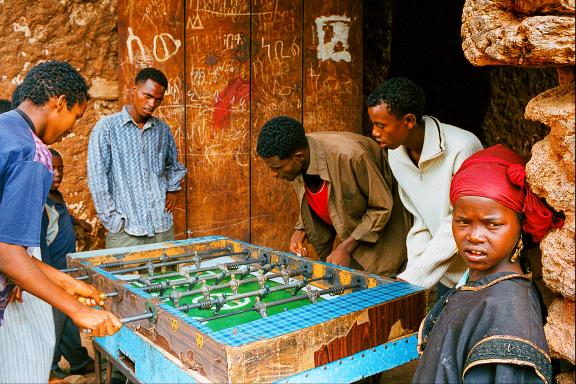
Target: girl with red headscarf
[(489, 328)]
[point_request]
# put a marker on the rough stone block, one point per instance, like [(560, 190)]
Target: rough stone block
[(559, 329), (565, 378), (104, 89), (558, 262), (509, 32)]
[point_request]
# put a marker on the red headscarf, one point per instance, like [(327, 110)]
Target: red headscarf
[(498, 173)]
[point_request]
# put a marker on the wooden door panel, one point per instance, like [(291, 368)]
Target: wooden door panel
[(232, 65), (218, 117), (277, 90), (333, 65), (151, 34)]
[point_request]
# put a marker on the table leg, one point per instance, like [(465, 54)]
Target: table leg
[(98, 364), (108, 371)]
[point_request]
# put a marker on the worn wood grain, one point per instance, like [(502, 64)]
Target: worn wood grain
[(333, 65), (151, 34), (218, 117), (277, 90)]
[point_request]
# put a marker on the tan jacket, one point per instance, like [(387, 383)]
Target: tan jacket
[(363, 202)]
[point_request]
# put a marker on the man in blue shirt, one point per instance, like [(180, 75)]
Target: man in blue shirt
[(133, 168), (51, 98)]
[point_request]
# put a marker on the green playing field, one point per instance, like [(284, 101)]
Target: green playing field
[(233, 306)]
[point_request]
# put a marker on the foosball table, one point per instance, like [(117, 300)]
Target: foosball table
[(214, 309)]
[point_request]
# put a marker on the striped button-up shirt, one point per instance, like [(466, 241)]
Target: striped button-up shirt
[(130, 169)]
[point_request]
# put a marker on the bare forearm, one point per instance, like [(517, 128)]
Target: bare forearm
[(24, 271), (55, 276)]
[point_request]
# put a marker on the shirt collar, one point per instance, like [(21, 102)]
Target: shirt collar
[(27, 119), (317, 164), (434, 143), (127, 118)]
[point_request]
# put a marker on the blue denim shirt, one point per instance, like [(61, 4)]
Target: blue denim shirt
[(129, 172)]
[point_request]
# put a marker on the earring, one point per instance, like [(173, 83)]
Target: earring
[(519, 246)]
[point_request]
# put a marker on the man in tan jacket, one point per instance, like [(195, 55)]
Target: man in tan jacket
[(346, 190)]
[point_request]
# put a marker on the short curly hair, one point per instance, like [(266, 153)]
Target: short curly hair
[(16, 100), (49, 79), (55, 153), (152, 74), (401, 95), (5, 105), (281, 136)]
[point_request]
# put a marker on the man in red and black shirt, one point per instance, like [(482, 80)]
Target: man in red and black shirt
[(346, 190)]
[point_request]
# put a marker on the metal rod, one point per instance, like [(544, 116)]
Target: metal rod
[(223, 299), (151, 266), (206, 290), (332, 290), (184, 281), (191, 280), (141, 316), (164, 257)]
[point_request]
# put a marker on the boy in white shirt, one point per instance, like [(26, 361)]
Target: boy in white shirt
[(423, 154)]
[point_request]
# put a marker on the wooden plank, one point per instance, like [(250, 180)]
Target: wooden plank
[(151, 34), (218, 117), (277, 90), (333, 65), (326, 342), (385, 322)]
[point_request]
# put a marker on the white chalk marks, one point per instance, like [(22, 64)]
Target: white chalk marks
[(196, 23), (169, 45), (164, 47), (333, 34), (22, 26)]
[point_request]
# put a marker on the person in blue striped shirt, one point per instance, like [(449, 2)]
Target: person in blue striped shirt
[(133, 168)]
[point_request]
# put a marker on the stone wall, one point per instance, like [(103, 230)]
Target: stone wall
[(510, 89), (82, 32), (535, 33)]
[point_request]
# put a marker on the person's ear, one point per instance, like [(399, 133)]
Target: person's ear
[(61, 103), (410, 119)]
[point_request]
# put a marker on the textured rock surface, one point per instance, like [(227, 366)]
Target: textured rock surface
[(84, 34), (551, 175), (540, 33), (565, 378), (560, 329), (511, 88), (508, 32), (558, 261)]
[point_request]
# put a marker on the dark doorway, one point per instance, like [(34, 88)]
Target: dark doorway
[(426, 46)]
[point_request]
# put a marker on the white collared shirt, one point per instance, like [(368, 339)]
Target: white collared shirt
[(425, 190)]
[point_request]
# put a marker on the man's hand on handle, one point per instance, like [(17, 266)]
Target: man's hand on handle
[(98, 321), (297, 243)]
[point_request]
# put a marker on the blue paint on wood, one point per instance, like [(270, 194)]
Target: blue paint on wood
[(361, 364), (150, 364)]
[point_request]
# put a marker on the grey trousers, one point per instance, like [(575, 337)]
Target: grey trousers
[(123, 239)]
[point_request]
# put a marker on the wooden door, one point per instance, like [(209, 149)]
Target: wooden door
[(151, 34), (232, 65)]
